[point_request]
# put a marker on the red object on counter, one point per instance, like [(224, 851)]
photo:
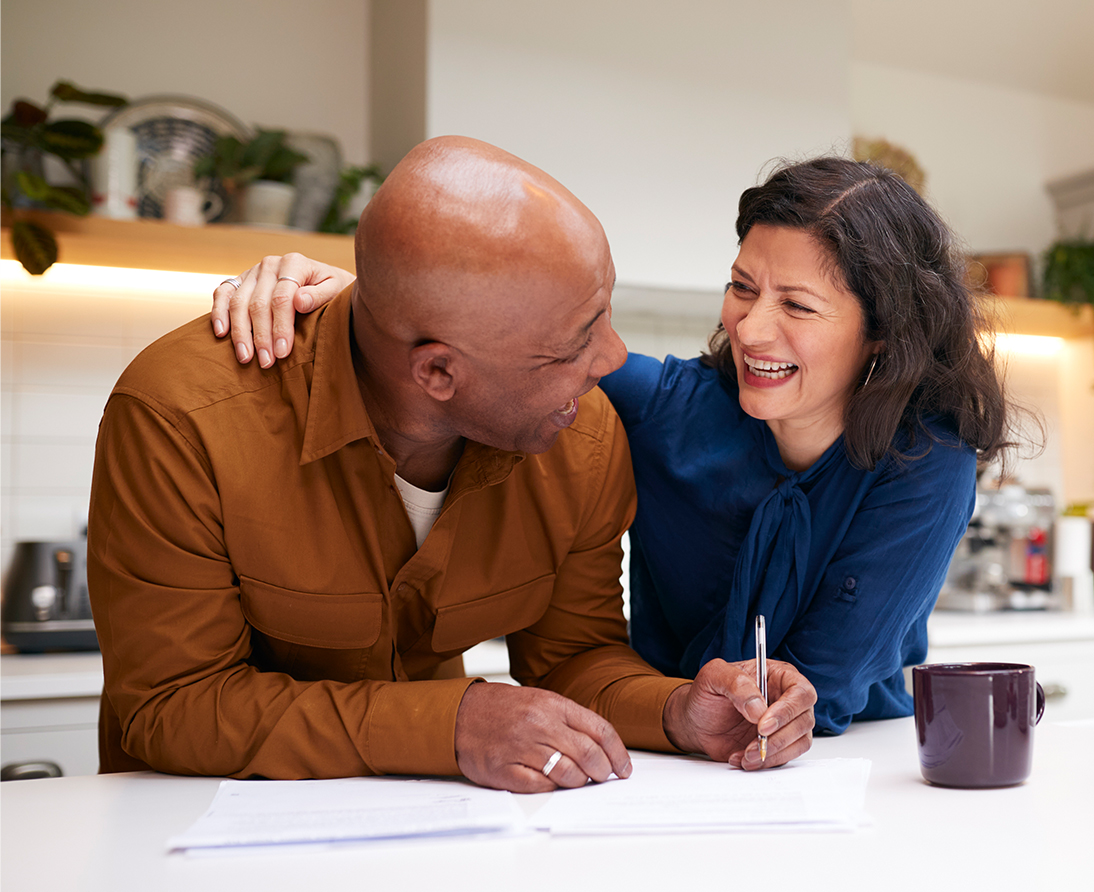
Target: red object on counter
[(1036, 557)]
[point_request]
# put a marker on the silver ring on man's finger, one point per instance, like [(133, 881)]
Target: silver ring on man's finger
[(290, 278), (235, 281), (556, 757)]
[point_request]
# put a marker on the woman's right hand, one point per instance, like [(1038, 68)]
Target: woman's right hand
[(260, 312)]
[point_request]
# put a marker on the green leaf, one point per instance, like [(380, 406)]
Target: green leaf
[(13, 132), (66, 91), (27, 114), (32, 185), (72, 139), (35, 247), (71, 199), (281, 164)]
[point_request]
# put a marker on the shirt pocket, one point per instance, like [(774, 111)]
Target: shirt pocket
[(461, 626), (339, 622)]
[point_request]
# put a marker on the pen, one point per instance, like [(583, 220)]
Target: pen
[(761, 674)]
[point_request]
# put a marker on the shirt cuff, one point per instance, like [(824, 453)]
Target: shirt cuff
[(412, 727)]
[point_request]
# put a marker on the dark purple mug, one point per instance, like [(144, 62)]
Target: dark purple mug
[(974, 722)]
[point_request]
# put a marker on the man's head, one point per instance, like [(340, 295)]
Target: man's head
[(484, 294)]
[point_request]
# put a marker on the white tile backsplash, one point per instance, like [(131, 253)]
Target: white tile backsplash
[(68, 366), (70, 315), (47, 517), (51, 467), (59, 416)]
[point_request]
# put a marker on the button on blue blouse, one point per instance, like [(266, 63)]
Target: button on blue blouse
[(845, 564)]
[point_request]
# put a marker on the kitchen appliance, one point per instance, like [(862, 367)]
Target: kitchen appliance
[(46, 606), (1004, 560)]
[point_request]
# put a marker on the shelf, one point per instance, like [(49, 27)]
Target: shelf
[(153, 244), (1024, 315), (228, 249)]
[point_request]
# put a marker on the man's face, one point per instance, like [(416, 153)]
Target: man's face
[(523, 382)]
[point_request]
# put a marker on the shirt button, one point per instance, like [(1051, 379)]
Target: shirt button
[(849, 583), (401, 588)]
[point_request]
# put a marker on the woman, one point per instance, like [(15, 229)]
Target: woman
[(818, 465)]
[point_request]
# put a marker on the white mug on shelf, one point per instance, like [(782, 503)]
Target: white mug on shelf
[(189, 206)]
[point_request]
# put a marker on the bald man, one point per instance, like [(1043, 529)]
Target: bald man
[(285, 562)]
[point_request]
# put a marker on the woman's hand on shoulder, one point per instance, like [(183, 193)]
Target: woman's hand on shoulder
[(258, 307)]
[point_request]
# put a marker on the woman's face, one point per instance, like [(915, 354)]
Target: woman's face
[(797, 338)]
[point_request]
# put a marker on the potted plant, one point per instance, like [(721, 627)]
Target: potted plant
[(27, 136), (350, 181), (1069, 272), (256, 175)]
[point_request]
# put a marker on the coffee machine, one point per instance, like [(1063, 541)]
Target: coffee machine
[(1004, 560), (46, 606)]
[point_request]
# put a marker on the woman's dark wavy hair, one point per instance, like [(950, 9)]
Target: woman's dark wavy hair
[(900, 260)]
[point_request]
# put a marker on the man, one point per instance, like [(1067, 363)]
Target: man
[(284, 562)]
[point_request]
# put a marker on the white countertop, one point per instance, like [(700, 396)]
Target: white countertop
[(947, 628), (85, 834), (37, 676)]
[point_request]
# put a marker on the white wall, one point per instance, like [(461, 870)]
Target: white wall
[(276, 63), (987, 151), (655, 115)]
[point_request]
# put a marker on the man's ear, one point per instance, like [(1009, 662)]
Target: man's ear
[(432, 365)]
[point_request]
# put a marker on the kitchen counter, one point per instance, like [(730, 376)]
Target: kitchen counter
[(86, 834), (947, 628)]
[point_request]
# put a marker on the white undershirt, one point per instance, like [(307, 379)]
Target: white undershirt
[(422, 507)]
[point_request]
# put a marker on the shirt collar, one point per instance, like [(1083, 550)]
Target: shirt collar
[(337, 414)]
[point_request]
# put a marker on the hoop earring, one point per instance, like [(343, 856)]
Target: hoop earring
[(873, 365)]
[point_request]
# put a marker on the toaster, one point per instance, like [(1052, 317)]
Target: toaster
[(46, 606)]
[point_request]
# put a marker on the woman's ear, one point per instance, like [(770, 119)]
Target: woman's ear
[(433, 365)]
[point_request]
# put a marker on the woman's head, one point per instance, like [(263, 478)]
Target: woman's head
[(890, 250)]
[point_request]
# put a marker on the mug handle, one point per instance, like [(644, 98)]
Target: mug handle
[(1040, 702), (212, 206)]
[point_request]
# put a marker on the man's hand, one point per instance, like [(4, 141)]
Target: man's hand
[(722, 712), (260, 312), (505, 735)]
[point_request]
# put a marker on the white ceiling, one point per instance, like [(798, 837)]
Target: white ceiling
[(1042, 45)]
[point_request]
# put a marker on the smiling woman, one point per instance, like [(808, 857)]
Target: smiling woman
[(818, 466)]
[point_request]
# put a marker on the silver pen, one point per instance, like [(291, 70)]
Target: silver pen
[(761, 674)]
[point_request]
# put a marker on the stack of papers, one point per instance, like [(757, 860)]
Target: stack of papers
[(694, 795), (662, 795), (269, 813)]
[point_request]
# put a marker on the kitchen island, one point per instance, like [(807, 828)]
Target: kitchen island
[(85, 834)]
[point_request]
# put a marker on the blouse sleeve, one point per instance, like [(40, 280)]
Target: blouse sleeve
[(868, 617)]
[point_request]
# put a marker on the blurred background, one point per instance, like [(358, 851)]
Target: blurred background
[(656, 115)]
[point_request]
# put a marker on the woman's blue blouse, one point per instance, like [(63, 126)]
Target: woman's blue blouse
[(844, 564)]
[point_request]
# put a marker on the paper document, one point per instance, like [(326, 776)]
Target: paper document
[(662, 795), (262, 813), (694, 795)]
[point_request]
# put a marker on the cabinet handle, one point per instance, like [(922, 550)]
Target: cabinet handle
[(1055, 691)]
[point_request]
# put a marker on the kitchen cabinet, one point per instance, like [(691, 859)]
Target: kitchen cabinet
[(153, 244), (49, 710)]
